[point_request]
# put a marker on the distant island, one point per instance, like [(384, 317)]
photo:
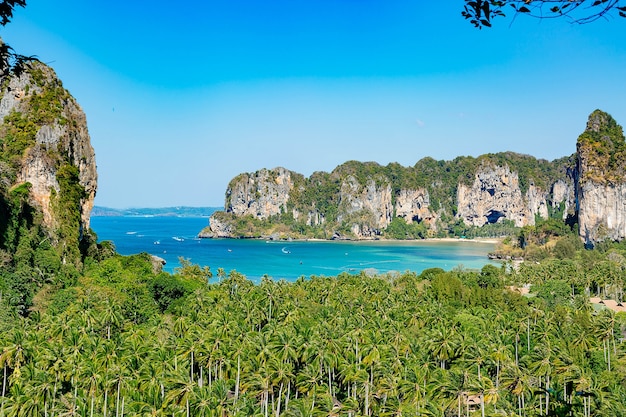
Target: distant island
[(177, 211)]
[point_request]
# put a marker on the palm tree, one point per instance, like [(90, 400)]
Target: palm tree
[(150, 383), (17, 402), (181, 393), (583, 391), (502, 356), (39, 391), (443, 344), (14, 355), (474, 354), (205, 403), (119, 383), (52, 357), (491, 395), (110, 316), (267, 289), (91, 379), (308, 381), (135, 344), (605, 323), (517, 381), (370, 361), (543, 366), (451, 387), (281, 376), (413, 387), (145, 409), (188, 347)]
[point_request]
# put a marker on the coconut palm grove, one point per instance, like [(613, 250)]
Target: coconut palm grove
[(123, 340)]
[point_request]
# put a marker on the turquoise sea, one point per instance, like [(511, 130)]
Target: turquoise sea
[(174, 237)]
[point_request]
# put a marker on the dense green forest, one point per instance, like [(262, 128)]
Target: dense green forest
[(126, 340)]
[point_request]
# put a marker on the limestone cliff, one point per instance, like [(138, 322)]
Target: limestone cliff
[(564, 196), (496, 194), (413, 206), (361, 201), (344, 204), (367, 208), (601, 188), (261, 194), (46, 150), (368, 201)]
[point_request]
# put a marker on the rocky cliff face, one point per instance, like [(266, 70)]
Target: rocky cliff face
[(219, 227), (601, 188), (368, 208), (602, 212), (261, 194), (337, 205), (496, 194), (413, 206), (46, 147), (564, 195), (359, 202), (364, 200)]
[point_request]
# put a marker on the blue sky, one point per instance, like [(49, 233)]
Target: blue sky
[(180, 98)]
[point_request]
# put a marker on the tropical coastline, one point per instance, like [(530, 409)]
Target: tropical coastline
[(364, 291), (173, 237)]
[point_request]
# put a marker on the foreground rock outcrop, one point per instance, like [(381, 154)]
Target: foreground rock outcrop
[(47, 163)]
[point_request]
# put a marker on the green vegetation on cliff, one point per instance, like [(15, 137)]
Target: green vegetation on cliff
[(17, 135), (319, 192), (35, 252), (602, 150)]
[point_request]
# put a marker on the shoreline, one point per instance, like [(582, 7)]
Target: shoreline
[(494, 240), (489, 240)]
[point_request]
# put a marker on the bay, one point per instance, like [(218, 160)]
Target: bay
[(173, 237)]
